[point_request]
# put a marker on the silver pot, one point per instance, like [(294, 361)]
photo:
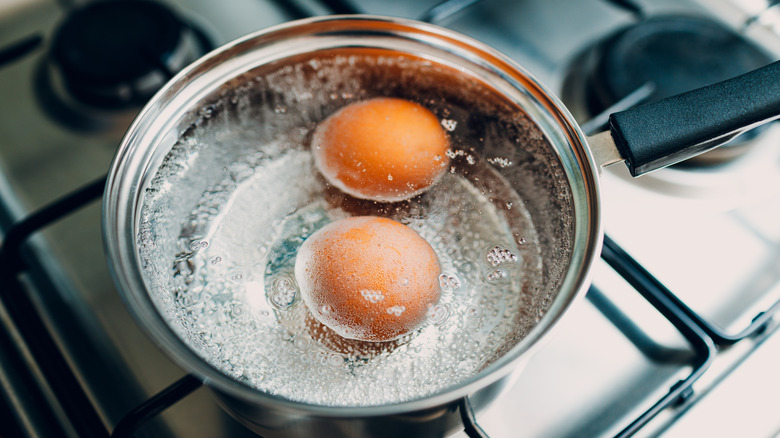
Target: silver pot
[(209, 128)]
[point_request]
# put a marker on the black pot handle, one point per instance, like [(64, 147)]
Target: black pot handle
[(668, 131)]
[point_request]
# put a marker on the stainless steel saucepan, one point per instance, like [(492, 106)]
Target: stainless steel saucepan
[(220, 154)]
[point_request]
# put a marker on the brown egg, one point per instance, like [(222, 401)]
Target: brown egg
[(368, 278), (382, 149)]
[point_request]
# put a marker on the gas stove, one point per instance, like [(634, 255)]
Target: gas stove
[(675, 338)]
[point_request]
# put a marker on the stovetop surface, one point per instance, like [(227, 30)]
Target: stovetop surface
[(709, 234)]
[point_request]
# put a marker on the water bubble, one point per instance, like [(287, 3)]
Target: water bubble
[(404, 282), (216, 260), (389, 177), (301, 343), (187, 298), (326, 309), (471, 160), (449, 281), (473, 313), (437, 314), (283, 293), (236, 276), (335, 360), (497, 276), (498, 256), (390, 375), (396, 310), (500, 161), (315, 64), (468, 366), (455, 153), (372, 296), (237, 311), (449, 124), (196, 245), (467, 267), (280, 109)]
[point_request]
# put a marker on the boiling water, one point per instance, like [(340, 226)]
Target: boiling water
[(238, 305)]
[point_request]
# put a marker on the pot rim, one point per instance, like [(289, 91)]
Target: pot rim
[(123, 197)]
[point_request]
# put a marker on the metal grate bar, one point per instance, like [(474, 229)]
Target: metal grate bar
[(470, 426), (19, 49), (22, 311), (155, 405), (648, 287), (25, 404), (720, 336), (10, 257)]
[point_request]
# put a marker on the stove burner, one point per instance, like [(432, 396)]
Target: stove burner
[(114, 55), (675, 53), (672, 54)]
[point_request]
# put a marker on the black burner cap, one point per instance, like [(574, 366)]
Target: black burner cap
[(674, 53), (108, 52)]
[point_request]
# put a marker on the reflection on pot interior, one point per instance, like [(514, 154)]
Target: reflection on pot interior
[(219, 259)]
